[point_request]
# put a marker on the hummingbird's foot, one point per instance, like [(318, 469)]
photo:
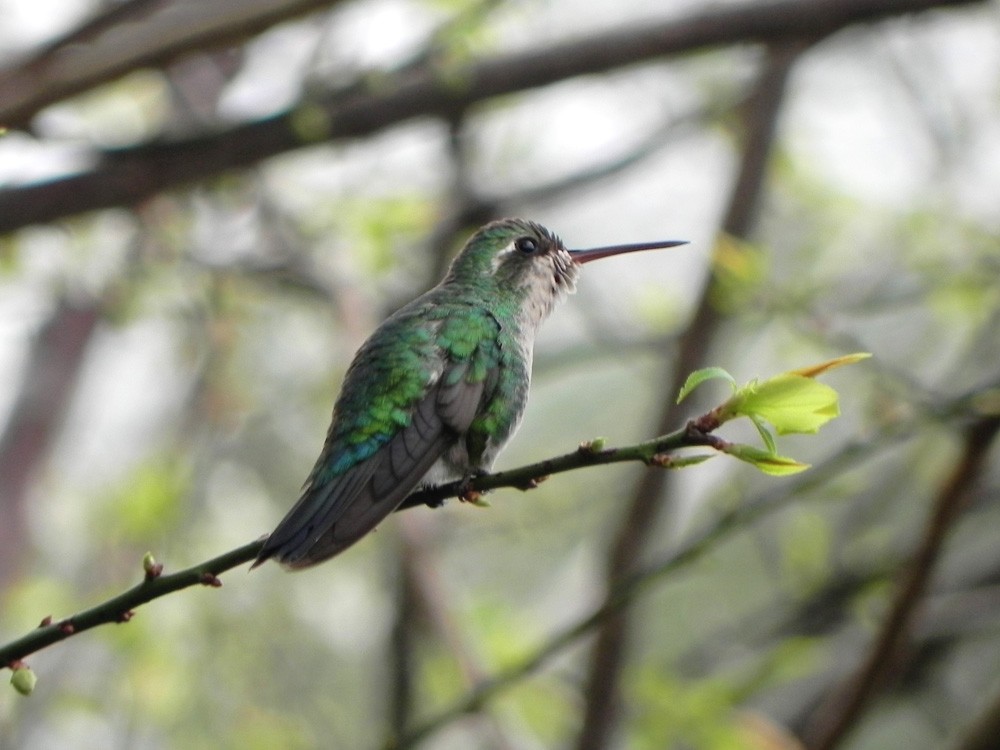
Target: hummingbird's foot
[(468, 495), (471, 496)]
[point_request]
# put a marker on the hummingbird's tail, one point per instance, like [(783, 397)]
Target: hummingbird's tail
[(332, 514)]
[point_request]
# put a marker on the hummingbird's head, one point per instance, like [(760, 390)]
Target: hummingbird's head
[(523, 261), (518, 260), (516, 254)]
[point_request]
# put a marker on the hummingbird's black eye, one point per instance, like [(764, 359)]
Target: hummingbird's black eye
[(526, 245)]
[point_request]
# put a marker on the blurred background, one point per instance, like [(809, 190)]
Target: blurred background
[(206, 207)]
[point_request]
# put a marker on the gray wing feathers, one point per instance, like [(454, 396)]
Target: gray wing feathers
[(417, 445), (457, 404), (330, 516)]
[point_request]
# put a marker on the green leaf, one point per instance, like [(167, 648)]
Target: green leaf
[(769, 463), (698, 377), (791, 403), (765, 434)]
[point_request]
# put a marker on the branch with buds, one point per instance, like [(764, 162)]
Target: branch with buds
[(790, 402)]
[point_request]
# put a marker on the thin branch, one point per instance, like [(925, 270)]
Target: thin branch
[(127, 176), (839, 713), (120, 608), (528, 477)]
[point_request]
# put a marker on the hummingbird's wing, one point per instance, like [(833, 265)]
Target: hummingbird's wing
[(363, 475)]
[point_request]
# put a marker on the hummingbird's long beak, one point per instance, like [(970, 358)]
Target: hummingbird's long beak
[(595, 253)]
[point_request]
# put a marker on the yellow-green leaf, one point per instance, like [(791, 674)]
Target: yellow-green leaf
[(818, 369), (769, 463), (791, 403), (698, 377), (765, 434)]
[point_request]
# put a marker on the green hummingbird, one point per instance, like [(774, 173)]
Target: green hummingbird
[(437, 390)]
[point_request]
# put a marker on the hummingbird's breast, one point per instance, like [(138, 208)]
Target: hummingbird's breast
[(496, 351)]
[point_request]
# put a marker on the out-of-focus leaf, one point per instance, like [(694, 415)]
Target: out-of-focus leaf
[(545, 707), (739, 268), (149, 500), (805, 546), (10, 258), (671, 713)]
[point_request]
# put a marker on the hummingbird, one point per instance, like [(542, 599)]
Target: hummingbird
[(437, 390)]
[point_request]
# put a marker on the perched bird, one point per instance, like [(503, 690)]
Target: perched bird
[(437, 390)]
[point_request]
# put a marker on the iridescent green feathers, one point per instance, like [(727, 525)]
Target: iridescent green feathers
[(432, 395), (451, 348)]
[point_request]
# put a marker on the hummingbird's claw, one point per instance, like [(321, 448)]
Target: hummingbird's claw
[(468, 495), (465, 484), (471, 496)]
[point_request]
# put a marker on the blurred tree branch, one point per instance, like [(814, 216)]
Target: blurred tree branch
[(129, 175), (602, 687), (844, 705), (983, 733), (56, 356), (425, 602), (131, 36)]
